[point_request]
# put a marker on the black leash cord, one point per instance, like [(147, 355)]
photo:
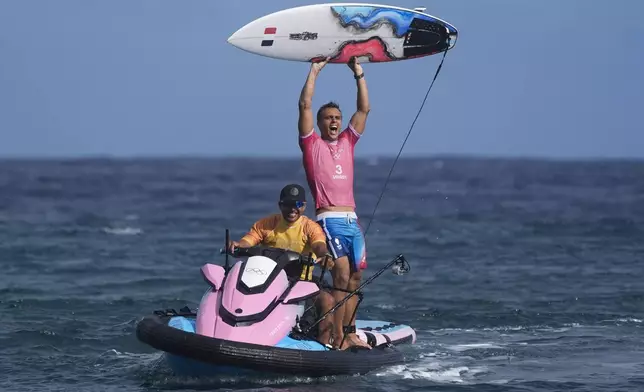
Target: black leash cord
[(405, 141)]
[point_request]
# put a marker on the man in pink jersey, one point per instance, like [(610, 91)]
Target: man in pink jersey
[(328, 163)]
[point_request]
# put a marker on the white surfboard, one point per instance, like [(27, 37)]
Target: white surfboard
[(370, 32)]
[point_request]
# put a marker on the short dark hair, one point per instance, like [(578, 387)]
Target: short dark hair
[(328, 105)]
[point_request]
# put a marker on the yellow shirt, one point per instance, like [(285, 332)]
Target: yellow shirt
[(275, 231)]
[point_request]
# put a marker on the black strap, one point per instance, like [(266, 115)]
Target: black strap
[(349, 329)]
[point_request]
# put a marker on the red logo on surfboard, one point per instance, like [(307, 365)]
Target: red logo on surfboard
[(269, 31)]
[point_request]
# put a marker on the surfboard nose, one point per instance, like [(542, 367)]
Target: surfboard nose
[(240, 40), (232, 38), (236, 37)]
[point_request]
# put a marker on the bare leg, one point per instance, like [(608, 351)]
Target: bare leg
[(352, 338), (340, 274), (325, 302)]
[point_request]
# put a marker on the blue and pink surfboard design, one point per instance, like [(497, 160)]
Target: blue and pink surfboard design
[(422, 34), (367, 18)]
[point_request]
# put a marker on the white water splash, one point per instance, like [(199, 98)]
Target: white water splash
[(386, 306), (435, 364), (123, 230), (625, 320), (472, 346), (509, 328), (114, 359), (433, 368)]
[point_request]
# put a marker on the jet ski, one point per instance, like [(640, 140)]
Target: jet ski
[(258, 316)]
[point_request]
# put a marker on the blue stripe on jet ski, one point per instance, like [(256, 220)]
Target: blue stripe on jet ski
[(183, 323), (308, 345), (376, 326)]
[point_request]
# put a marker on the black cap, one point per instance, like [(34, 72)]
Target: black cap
[(292, 193)]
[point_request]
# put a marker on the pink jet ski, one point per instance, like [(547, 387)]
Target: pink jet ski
[(258, 315)]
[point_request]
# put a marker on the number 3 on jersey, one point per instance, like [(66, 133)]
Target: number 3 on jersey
[(338, 169)]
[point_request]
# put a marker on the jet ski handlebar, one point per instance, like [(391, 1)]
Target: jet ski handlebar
[(270, 252)]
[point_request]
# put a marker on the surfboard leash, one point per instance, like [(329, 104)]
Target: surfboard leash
[(373, 214)]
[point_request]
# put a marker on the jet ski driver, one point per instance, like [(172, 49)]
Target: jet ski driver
[(291, 230)]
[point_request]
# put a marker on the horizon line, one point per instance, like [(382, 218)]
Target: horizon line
[(412, 156)]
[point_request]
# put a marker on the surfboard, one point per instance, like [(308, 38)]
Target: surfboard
[(371, 32)]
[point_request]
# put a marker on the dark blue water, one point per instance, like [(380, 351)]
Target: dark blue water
[(526, 275)]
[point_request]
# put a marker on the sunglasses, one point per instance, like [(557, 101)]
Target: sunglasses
[(291, 204)]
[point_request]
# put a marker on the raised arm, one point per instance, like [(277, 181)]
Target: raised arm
[(359, 119), (305, 121)]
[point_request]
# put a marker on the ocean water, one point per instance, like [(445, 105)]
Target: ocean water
[(525, 275)]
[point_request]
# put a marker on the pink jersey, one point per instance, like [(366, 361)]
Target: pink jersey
[(329, 167)]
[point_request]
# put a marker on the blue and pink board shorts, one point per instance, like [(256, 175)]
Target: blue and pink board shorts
[(344, 237)]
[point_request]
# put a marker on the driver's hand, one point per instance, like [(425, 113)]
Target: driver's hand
[(232, 245), (329, 262)]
